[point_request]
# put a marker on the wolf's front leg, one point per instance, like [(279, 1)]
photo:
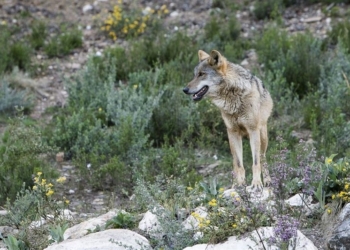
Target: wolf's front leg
[(235, 140), (254, 137)]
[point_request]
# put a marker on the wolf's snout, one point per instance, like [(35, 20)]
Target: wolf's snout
[(185, 90)]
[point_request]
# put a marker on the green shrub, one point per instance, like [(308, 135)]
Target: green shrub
[(13, 53), (21, 155), (298, 57), (63, 43), (38, 35), (222, 29), (121, 220), (11, 100), (328, 114), (270, 9), (340, 34)]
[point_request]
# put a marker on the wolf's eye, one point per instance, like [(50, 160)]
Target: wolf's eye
[(201, 74)]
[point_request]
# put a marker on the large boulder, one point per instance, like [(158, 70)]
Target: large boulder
[(252, 240), (123, 239), (83, 228), (340, 236)]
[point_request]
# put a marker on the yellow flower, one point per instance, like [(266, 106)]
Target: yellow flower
[(346, 163), (221, 190), (329, 211), (346, 187), (328, 160), (212, 203), (62, 179), (67, 202), (39, 173), (233, 194), (333, 196), (108, 27), (43, 182), (234, 225), (3, 22), (35, 188), (166, 11), (135, 87), (99, 109), (50, 185), (120, 1), (189, 188), (49, 193)]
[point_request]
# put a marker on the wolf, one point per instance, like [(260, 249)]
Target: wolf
[(245, 106)]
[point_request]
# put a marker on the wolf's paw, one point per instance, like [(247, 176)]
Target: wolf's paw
[(267, 181), (256, 186)]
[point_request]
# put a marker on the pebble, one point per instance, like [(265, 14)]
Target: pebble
[(87, 8)]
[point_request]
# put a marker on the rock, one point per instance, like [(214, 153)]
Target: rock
[(150, 224), (3, 212), (60, 157), (340, 237), (5, 231), (259, 196), (174, 14), (192, 223), (230, 193), (299, 200), (83, 228), (312, 19), (252, 240), (87, 7), (123, 238)]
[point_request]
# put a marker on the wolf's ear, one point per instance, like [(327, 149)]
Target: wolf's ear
[(202, 55), (218, 61)]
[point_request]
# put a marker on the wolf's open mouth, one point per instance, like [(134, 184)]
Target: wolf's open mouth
[(199, 95)]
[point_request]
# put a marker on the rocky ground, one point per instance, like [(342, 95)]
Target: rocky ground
[(190, 15)]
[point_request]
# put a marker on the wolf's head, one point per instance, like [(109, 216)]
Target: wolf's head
[(208, 75)]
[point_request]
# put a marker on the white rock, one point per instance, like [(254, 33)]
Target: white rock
[(174, 14), (230, 194), (147, 11), (149, 223), (126, 239), (87, 8), (299, 200), (259, 196), (71, 191), (252, 242), (3, 212), (191, 223), (81, 229)]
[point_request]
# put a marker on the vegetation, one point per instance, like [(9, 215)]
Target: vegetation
[(128, 128)]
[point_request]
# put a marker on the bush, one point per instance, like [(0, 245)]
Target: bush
[(297, 57), (13, 53), (63, 43), (270, 9), (38, 35), (21, 155), (329, 110), (12, 100), (340, 34)]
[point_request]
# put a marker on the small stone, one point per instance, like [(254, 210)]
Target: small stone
[(3, 212), (71, 191), (87, 7), (39, 57), (60, 157), (312, 19), (174, 14)]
